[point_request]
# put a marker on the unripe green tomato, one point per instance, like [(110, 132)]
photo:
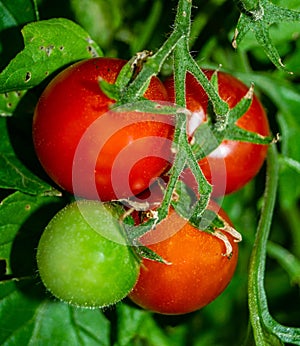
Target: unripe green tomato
[(79, 264)]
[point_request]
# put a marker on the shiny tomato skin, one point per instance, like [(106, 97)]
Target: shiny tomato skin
[(198, 271), (73, 108), (79, 264), (233, 164)]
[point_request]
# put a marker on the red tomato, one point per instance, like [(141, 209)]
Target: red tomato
[(198, 271), (91, 151), (232, 164)]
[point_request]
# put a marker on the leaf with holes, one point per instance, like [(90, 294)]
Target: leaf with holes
[(49, 45)]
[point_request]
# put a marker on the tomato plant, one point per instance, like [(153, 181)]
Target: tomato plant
[(79, 264), (233, 163), (91, 151), (256, 41), (197, 270)]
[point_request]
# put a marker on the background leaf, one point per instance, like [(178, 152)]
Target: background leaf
[(287, 99), (39, 321), (13, 173), (14, 14), (136, 326), (22, 219), (101, 21)]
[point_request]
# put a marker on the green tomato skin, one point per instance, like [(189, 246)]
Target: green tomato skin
[(78, 264)]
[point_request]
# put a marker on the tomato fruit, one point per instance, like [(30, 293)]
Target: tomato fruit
[(77, 262), (233, 163), (90, 150), (198, 271)]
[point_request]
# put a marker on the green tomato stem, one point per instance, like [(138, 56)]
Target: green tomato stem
[(266, 330), (256, 292), (178, 43)]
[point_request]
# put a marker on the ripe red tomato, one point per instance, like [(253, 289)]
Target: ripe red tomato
[(232, 164), (91, 151), (198, 271)]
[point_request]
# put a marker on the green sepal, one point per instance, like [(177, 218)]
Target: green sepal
[(259, 20), (110, 90), (149, 254)]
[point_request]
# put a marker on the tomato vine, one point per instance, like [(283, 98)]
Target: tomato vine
[(223, 127), (26, 194)]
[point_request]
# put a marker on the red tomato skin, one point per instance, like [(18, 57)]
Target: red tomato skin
[(199, 272), (233, 164), (69, 105)]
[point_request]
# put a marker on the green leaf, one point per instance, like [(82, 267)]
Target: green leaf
[(295, 165), (290, 132), (129, 322), (22, 218), (286, 97), (49, 45), (287, 260), (101, 20), (13, 174), (14, 14), (9, 101), (147, 29), (138, 327), (32, 319)]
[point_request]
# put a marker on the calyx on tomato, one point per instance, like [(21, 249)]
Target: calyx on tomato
[(145, 214), (196, 272)]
